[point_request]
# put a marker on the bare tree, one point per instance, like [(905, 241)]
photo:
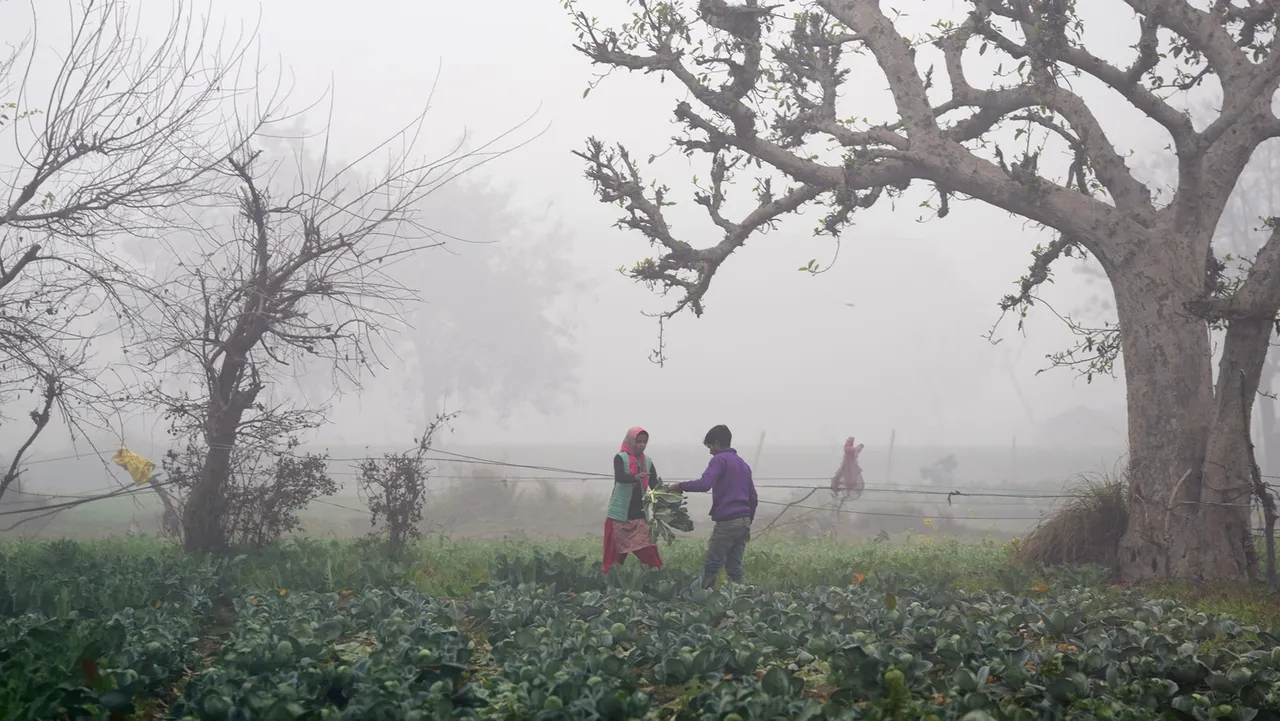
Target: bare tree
[(298, 279), (105, 134), (764, 87)]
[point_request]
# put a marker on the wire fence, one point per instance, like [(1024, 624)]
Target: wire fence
[(982, 496)]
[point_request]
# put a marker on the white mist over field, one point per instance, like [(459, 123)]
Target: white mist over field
[(522, 324)]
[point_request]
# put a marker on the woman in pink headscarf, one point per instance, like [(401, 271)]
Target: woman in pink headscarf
[(849, 478), (625, 528)]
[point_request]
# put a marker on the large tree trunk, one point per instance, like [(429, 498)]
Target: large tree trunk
[(1169, 378), (206, 508), (1223, 544), (1188, 446), (202, 516)]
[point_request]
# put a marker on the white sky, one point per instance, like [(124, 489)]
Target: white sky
[(777, 350)]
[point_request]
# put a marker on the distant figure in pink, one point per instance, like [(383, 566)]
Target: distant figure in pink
[(849, 478)]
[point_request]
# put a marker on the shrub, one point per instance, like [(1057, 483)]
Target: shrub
[(1085, 529), (264, 493), (395, 488)]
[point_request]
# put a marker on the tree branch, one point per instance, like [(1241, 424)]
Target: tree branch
[(1202, 33), (617, 180), (1256, 297), (770, 97), (40, 418), (896, 57)]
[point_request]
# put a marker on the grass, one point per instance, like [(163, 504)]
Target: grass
[(446, 567), (1250, 604), (1087, 530), (451, 568)]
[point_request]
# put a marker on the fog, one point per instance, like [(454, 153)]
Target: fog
[(778, 350), (528, 330)]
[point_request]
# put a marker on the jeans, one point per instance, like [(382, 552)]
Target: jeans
[(725, 549)]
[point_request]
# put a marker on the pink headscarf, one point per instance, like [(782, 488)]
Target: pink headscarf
[(849, 477), (636, 461)]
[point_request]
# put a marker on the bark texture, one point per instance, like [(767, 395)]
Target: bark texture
[(1169, 399), (203, 519), (1191, 455)]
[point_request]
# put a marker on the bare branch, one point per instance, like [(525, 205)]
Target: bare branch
[(1203, 33), (39, 419), (895, 55), (1043, 259), (126, 128), (293, 278), (618, 181), (995, 106)]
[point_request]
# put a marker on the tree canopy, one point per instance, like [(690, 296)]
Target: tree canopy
[(768, 87)]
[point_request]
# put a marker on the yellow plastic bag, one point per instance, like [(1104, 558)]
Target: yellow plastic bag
[(137, 466)]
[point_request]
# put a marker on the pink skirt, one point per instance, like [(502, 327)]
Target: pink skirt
[(623, 537)]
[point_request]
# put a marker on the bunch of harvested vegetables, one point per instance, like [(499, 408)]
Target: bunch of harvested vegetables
[(667, 513)]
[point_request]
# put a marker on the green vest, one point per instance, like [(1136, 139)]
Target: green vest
[(620, 501)]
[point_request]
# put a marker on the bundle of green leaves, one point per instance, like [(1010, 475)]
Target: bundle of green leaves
[(667, 513)]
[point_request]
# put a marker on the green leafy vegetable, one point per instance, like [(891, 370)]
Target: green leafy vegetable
[(667, 513), (88, 634)]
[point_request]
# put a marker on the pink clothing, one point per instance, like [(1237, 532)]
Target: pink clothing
[(849, 477), (635, 461), (631, 537), (613, 541)]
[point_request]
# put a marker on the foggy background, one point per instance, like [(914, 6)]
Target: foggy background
[(530, 332)]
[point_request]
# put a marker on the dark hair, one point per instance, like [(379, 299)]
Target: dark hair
[(719, 435)]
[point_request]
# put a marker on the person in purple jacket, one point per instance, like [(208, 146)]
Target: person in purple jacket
[(733, 506)]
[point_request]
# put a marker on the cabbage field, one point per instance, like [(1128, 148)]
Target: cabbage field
[(326, 630)]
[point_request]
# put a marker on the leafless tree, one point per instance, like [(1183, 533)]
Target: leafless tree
[(105, 134), (764, 89), (299, 278)]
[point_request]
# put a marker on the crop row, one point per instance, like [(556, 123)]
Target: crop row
[(86, 667), (91, 636), (549, 638), (883, 648), (375, 655)]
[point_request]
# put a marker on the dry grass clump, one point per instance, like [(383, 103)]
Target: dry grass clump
[(1085, 529)]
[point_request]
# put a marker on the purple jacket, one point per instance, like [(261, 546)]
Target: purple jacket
[(733, 493)]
